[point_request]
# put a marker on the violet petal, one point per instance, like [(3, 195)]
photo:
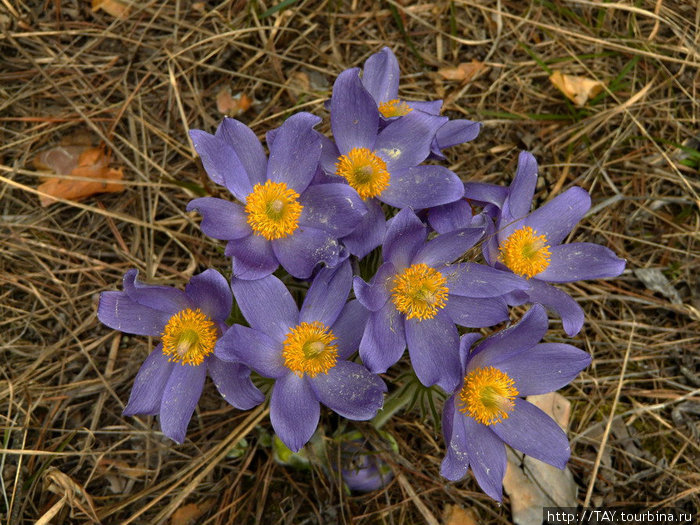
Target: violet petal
[(327, 295), (221, 219), (544, 368), (350, 390), (433, 345), (383, 341), (247, 146), (253, 257), (180, 397), (253, 348), (579, 261), (233, 382), (149, 384), (294, 410), (534, 433), (295, 152), (422, 186), (354, 114), (210, 292), (300, 252), (335, 208), (267, 305)]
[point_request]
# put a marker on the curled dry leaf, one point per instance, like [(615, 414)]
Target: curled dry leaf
[(532, 484), (70, 491), (232, 105), (577, 89), (116, 8), (456, 515), (189, 514), (91, 163), (464, 72)]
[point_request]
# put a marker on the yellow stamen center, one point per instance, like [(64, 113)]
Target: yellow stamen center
[(525, 253), (189, 337), (394, 108), (487, 395), (365, 171), (419, 291), (273, 210), (309, 349)]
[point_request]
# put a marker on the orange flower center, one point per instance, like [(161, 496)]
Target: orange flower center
[(273, 210), (525, 253), (394, 108), (487, 395), (365, 171), (189, 337), (419, 292), (309, 349)]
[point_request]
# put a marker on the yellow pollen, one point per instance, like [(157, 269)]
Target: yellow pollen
[(189, 337), (487, 395), (309, 349), (394, 108), (365, 171), (273, 210), (419, 292), (525, 253)]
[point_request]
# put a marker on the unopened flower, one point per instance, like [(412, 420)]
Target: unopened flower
[(281, 218), (188, 324), (418, 296), (380, 77), (306, 351), (529, 244), (487, 409), (382, 166)]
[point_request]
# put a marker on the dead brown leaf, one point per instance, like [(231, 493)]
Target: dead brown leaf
[(577, 89), (532, 484), (464, 72), (232, 105), (190, 513), (456, 515), (92, 163), (116, 8), (71, 492)]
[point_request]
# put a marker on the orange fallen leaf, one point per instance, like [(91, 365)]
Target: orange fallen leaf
[(116, 8), (190, 513), (532, 484), (232, 105), (464, 72), (456, 515), (91, 164), (577, 89)]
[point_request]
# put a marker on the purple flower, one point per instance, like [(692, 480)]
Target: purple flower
[(529, 244), (382, 165), (280, 217), (417, 297), (380, 77), (305, 351), (188, 324), (487, 409), (362, 468)]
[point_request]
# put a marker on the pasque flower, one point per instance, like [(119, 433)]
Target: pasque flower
[(382, 166), (530, 243), (188, 324), (487, 411), (418, 296), (380, 77), (281, 218), (306, 351)]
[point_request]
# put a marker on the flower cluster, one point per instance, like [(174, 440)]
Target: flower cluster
[(316, 207)]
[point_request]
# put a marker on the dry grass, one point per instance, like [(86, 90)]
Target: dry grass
[(138, 84)]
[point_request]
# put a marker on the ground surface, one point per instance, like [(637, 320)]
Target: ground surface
[(69, 75)]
